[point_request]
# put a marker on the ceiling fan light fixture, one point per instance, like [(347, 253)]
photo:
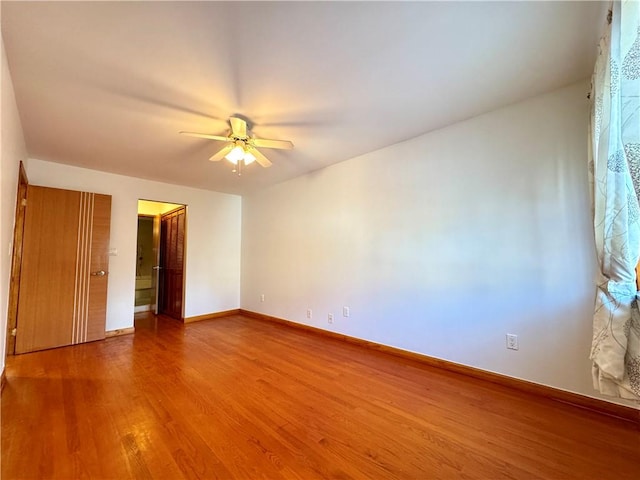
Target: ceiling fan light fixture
[(235, 155), (241, 145), (248, 158)]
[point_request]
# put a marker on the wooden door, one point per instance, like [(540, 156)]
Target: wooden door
[(172, 236), (16, 260), (65, 259)]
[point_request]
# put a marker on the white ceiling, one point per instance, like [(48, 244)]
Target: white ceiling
[(109, 85)]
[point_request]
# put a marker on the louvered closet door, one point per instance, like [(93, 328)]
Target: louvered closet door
[(172, 239), (65, 265)]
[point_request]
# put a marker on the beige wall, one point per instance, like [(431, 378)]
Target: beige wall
[(12, 152), (443, 244)]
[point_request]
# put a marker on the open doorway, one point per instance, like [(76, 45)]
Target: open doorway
[(146, 265), (160, 258)]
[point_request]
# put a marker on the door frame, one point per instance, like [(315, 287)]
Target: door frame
[(184, 246), (16, 261)]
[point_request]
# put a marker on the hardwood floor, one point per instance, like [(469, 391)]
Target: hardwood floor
[(242, 398)]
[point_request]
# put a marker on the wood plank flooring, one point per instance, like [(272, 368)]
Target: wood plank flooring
[(239, 398)]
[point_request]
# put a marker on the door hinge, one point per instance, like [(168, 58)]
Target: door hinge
[(24, 202), (14, 332)]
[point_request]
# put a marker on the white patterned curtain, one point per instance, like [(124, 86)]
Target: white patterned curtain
[(615, 173)]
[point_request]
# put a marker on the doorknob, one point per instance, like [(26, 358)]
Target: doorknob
[(157, 267), (100, 273)]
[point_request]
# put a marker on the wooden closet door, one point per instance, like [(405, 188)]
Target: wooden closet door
[(63, 281), (172, 241)]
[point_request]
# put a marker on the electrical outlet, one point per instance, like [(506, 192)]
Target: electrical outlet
[(309, 313), (330, 318), (262, 297), (512, 341), (345, 311)]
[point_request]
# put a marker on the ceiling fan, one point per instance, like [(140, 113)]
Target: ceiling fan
[(241, 145)]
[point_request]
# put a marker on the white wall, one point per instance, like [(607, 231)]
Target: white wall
[(213, 237), (444, 243), (12, 151)]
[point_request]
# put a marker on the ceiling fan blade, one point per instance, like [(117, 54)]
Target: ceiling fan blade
[(260, 158), (220, 155), (204, 135), (264, 143), (238, 127)]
